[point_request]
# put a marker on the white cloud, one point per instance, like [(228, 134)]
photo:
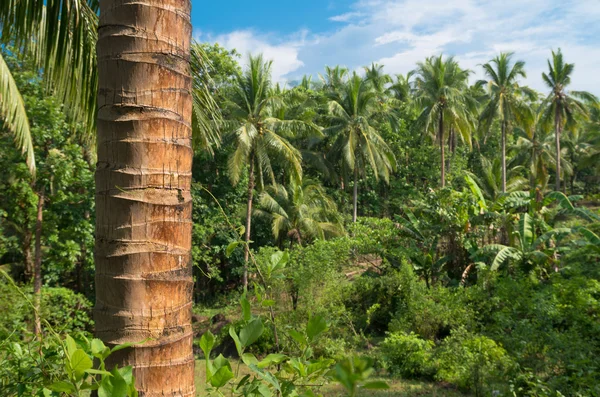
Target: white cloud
[(283, 54), (399, 33), (346, 17)]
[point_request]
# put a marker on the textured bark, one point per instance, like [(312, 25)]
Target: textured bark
[(37, 267), (557, 131), (144, 279), (248, 220)]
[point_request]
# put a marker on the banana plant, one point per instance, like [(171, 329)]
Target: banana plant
[(529, 249)]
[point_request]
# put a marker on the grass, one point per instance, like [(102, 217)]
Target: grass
[(398, 387)]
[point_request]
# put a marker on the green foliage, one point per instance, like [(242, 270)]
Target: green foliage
[(276, 374), (64, 311), (472, 362), (407, 355), (62, 367)]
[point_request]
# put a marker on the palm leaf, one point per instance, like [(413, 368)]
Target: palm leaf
[(12, 110)]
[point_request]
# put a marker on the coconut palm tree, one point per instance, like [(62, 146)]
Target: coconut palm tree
[(301, 212), (401, 87), (260, 136), (378, 78), (353, 112), (334, 78), (60, 36), (562, 108), (144, 279), (441, 87), (507, 100)]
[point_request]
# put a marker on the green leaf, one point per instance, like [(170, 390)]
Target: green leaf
[(316, 325), (267, 376), (221, 377), (268, 303), (251, 332), (376, 385), (127, 374), (80, 363), (207, 341), (231, 247), (236, 339), (271, 359), (246, 311), (62, 387), (221, 362), (249, 359), (298, 337), (97, 372), (113, 386), (123, 346), (243, 381), (99, 350), (71, 345)]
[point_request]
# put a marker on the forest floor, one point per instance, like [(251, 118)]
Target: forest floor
[(398, 387)]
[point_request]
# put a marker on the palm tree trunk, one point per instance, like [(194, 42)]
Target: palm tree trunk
[(442, 148), (503, 156), (144, 283), (355, 195), (248, 220), (557, 130), (37, 267)]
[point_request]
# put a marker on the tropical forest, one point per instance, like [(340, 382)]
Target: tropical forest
[(177, 221)]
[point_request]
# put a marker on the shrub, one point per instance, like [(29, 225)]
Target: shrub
[(472, 362), (431, 313), (65, 310), (407, 355)]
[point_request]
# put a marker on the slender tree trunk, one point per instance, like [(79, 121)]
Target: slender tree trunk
[(355, 196), (248, 220), (26, 247), (503, 156), (557, 131), (442, 148), (37, 268), (144, 283)]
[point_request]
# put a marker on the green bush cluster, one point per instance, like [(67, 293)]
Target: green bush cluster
[(408, 355), (62, 309)]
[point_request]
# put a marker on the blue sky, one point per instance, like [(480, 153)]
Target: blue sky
[(303, 36)]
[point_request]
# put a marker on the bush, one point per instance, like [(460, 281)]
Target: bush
[(407, 355), (473, 362), (431, 313), (65, 310)]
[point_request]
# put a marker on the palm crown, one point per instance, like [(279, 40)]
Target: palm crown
[(356, 143)]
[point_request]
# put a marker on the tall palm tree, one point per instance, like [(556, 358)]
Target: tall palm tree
[(378, 78), (562, 108), (60, 36), (507, 100), (143, 202), (401, 87), (352, 117), (534, 150), (441, 87), (301, 212), (260, 136), (334, 78)]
